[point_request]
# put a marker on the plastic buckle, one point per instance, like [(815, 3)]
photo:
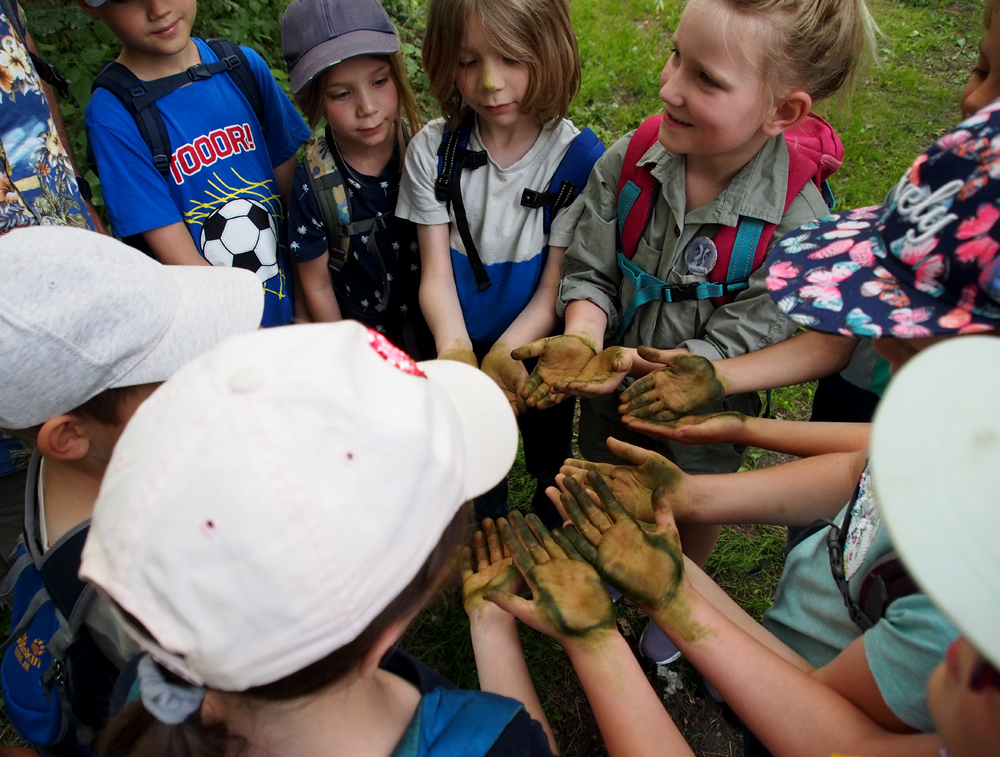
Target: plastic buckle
[(232, 61), (198, 72), (529, 198), (680, 292)]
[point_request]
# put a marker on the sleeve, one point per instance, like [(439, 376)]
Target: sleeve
[(902, 650), (286, 131), (136, 194), (563, 227), (590, 268), (306, 234), (416, 201), (753, 320), (523, 737)]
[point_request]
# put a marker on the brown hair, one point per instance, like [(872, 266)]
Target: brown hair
[(813, 45), (539, 33), (136, 733), (310, 99), (104, 408)]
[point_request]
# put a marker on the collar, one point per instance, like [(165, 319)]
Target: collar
[(757, 191)]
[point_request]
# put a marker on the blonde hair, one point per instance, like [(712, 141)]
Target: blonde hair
[(817, 46), (310, 99), (539, 33)]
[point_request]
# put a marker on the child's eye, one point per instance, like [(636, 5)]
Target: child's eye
[(675, 53), (381, 81), (707, 80), (467, 63), (341, 95), (511, 61)]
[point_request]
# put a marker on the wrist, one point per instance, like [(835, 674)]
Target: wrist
[(596, 644), (721, 367), (678, 611), (488, 623), (586, 339)]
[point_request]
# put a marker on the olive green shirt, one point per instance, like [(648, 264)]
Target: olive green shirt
[(590, 271)]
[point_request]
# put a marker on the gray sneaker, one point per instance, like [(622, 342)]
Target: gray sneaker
[(655, 645)]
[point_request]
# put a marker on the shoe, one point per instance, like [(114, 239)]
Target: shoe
[(655, 645)]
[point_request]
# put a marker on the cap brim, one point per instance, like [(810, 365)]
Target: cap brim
[(332, 52), (835, 275), (215, 303), (935, 451), (488, 424)]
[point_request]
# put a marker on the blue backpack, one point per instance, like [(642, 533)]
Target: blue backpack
[(457, 722), (567, 182), (56, 682)]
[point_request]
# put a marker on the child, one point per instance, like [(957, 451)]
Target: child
[(374, 274), (505, 74), (279, 629), (88, 329), (213, 194), (913, 272), (924, 464)]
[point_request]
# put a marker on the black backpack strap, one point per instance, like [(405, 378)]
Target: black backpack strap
[(139, 97), (886, 581), (453, 157), (242, 75)]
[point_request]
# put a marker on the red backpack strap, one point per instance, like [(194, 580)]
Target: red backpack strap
[(634, 182), (815, 153)]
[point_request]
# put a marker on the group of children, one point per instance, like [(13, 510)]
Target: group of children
[(268, 523)]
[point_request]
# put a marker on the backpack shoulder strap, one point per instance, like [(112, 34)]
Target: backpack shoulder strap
[(815, 153), (242, 75), (885, 582), (634, 182), (453, 157), (328, 187), (456, 721), (569, 178)]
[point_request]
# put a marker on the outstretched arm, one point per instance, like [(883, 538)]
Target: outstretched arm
[(570, 604), (789, 710), (439, 295)]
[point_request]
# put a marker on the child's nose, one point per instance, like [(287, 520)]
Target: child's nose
[(489, 82), (157, 8)]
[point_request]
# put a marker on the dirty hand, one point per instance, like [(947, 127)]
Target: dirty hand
[(569, 601), (641, 560), (683, 385), (715, 428), (600, 376), (494, 571), (560, 359), (633, 485), (509, 374), (460, 355)]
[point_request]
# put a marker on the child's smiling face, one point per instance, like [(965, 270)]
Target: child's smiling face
[(984, 86), (714, 96)]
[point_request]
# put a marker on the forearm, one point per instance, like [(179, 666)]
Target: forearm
[(172, 245), (789, 711), (795, 493), (801, 438), (804, 357), (502, 667), (538, 319), (587, 320), (629, 714), (438, 294), (317, 288)]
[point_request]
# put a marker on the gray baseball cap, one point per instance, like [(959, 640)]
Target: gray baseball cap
[(317, 34), (81, 313)]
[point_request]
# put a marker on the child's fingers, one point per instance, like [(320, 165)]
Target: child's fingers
[(527, 538), (517, 606), (579, 518), (532, 349), (493, 541), (519, 554), (655, 429), (641, 388), (583, 547), (567, 546), (554, 497), (588, 504), (608, 500), (630, 452), (544, 536), (482, 558)]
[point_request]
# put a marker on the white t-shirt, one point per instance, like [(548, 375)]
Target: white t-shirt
[(510, 237)]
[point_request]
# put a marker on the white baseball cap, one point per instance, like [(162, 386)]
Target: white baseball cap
[(935, 460), (81, 312), (276, 494)]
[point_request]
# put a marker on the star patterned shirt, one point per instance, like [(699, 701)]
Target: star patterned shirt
[(359, 286)]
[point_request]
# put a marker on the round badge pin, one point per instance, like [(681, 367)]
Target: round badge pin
[(701, 256)]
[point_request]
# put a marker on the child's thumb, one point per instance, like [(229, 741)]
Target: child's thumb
[(517, 606), (663, 510)]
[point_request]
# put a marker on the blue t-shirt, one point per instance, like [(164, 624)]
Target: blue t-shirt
[(809, 615), (13, 457), (221, 180), (359, 285)]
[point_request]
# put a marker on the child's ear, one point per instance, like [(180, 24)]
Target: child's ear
[(788, 112), (63, 438), (92, 12), (369, 663)]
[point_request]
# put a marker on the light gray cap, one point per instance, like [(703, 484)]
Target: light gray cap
[(317, 34), (81, 312)]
